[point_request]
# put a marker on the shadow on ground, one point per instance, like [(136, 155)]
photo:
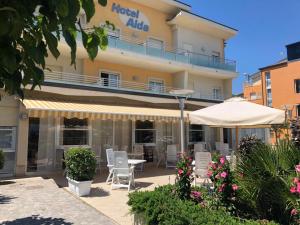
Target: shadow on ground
[(37, 220), (5, 199), (6, 182)]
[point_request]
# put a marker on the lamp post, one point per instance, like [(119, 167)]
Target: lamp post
[(182, 95)]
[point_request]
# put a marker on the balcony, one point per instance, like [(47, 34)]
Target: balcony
[(126, 42), (181, 56), (119, 85)]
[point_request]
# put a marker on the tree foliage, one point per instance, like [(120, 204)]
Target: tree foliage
[(28, 29)]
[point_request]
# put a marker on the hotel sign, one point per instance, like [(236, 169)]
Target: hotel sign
[(132, 18)]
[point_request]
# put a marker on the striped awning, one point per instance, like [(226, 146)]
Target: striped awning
[(45, 108)]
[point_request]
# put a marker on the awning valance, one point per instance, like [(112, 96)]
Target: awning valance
[(44, 108)]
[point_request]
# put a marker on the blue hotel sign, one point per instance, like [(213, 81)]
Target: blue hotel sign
[(132, 18)]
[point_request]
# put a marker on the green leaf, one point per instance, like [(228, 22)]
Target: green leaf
[(89, 8), (102, 2), (52, 43), (63, 8), (71, 41)]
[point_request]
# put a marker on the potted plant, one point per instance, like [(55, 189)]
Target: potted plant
[(2, 159), (81, 169)]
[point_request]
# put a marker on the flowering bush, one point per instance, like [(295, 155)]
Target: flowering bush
[(184, 177), (225, 187), (295, 191)]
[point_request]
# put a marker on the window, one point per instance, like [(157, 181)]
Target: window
[(196, 133), (109, 79), (216, 57), (268, 88), (188, 47), (297, 85), (298, 110), (156, 85), (74, 131), (217, 93), (8, 139), (268, 80), (155, 43), (253, 96), (144, 132)]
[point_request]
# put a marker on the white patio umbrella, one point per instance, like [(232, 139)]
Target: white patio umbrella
[(238, 113)]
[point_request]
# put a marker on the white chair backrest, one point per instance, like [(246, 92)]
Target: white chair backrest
[(110, 156), (138, 148), (224, 150), (172, 152), (218, 146), (121, 162), (202, 160), (199, 147)]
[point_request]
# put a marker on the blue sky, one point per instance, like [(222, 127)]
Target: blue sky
[(265, 27)]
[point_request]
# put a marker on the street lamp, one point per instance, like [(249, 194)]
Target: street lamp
[(182, 95)]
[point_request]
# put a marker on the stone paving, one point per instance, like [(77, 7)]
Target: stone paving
[(36, 201)]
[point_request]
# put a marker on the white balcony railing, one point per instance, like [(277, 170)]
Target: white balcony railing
[(118, 84)]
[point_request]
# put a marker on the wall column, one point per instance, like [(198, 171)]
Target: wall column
[(22, 142)]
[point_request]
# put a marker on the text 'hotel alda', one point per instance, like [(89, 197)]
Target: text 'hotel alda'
[(132, 18)]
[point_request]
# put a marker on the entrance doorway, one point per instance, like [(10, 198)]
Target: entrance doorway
[(33, 144)]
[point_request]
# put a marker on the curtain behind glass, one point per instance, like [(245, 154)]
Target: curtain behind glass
[(123, 135), (46, 147)]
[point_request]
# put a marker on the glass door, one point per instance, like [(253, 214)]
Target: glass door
[(33, 144)]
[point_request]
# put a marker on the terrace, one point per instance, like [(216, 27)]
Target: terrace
[(108, 84)]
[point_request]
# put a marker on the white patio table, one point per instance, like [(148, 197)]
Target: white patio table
[(134, 162)]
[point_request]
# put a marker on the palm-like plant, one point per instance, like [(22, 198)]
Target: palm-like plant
[(264, 180)]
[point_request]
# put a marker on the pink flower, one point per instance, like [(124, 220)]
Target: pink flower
[(295, 180), (221, 188), (297, 167), (293, 190), (294, 212), (213, 166), (222, 160), (224, 174), (209, 173), (235, 187), (196, 194), (180, 171), (298, 187)]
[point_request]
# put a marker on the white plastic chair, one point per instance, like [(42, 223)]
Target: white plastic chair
[(224, 149), (172, 157), (200, 147), (123, 175), (202, 160), (110, 163)]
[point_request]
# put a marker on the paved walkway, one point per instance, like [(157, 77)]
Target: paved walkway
[(36, 201)]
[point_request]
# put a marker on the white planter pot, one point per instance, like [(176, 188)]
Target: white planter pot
[(80, 188)]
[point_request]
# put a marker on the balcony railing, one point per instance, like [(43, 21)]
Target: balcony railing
[(178, 56), (128, 43), (118, 84)]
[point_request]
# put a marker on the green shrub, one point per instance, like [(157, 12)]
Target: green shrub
[(162, 207), (80, 164), (264, 180), (2, 159)]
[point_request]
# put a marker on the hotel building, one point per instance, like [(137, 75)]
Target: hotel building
[(122, 97)]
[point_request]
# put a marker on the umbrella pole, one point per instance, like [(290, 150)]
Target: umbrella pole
[(236, 138)]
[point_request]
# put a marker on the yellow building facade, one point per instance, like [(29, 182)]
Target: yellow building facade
[(122, 98)]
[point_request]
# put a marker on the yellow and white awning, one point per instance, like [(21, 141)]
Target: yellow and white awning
[(45, 108)]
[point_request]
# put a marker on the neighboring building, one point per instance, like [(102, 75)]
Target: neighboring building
[(253, 88), (278, 84), (122, 97)]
